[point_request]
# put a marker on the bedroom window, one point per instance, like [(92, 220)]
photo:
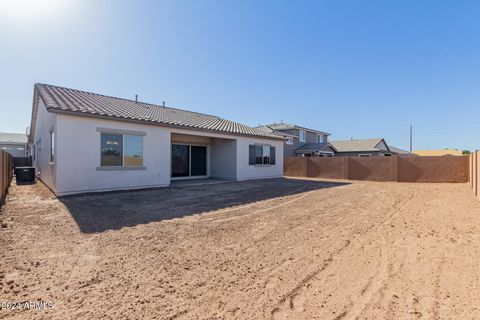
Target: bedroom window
[(121, 150), (290, 140), (303, 136), (261, 154)]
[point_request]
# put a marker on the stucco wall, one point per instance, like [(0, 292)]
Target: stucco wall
[(46, 171), (78, 149), (223, 163), (246, 171), (475, 173), (78, 155), (394, 168)]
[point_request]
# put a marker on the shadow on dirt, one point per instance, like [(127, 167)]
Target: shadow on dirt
[(114, 210)]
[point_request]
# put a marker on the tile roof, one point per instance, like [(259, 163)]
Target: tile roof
[(13, 138), (59, 99), (313, 147), (357, 145), (287, 126)]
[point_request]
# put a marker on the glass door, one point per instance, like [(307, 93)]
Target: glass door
[(198, 161), (180, 160)]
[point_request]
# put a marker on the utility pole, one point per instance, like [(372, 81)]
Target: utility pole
[(410, 138)]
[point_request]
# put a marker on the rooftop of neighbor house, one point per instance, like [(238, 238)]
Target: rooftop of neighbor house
[(286, 126), (399, 151), (13, 138), (65, 100), (438, 153), (355, 145)]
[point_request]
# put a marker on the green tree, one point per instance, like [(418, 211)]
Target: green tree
[(466, 152)]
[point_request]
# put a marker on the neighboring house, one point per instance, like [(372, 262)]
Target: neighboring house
[(361, 147), (86, 142), (14, 143), (438, 153), (399, 152), (300, 141)]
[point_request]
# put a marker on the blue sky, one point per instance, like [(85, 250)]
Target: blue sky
[(353, 68)]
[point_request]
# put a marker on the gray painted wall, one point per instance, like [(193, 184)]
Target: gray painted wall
[(16, 150)]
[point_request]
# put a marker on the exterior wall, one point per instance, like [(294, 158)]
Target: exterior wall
[(357, 154), (78, 157), (46, 171), (223, 163), (289, 149), (394, 168), (15, 150), (246, 171)]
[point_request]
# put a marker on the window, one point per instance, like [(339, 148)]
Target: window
[(290, 140), (119, 150), (261, 155), (52, 146), (302, 136)]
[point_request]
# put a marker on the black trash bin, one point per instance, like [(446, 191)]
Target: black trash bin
[(25, 175)]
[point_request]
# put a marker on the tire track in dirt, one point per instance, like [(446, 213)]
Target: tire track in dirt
[(287, 302), (376, 284)]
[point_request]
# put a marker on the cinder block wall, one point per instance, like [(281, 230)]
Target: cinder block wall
[(402, 169)]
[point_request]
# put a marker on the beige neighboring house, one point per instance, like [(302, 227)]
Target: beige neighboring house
[(437, 153), (361, 147)]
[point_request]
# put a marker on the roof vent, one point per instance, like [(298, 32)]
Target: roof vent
[(164, 104), (136, 98)]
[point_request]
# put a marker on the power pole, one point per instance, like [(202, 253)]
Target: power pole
[(410, 138)]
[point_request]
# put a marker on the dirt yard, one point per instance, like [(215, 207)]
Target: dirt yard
[(277, 249)]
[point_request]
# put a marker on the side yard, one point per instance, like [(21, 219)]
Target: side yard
[(272, 249)]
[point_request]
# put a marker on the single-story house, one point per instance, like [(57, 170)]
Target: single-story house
[(14, 143), (301, 141), (438, 153), (361, 147), (87, 142)]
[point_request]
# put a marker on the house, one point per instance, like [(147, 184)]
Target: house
[(87, 142), (438, 153), (300, 141), (399, 152), (361, 147), (14, 143)]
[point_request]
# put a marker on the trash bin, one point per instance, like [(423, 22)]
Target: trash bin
[(25, 175)]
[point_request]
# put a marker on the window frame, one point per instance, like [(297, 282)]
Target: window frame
[(303, 136), (289, 141), (121, 133), (52, 147), (272, 154)]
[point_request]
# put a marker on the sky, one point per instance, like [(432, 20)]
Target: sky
[(356, 69)]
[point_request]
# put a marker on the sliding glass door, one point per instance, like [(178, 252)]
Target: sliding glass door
[(188, 160)]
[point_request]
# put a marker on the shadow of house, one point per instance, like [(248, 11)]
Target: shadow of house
[(115, 210)]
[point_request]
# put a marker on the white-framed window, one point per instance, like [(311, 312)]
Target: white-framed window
[(289, 140), (303, 135), (121, 150), (364, 155), (52, 146)]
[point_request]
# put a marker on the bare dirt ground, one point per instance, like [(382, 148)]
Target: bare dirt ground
[(277, 249)]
